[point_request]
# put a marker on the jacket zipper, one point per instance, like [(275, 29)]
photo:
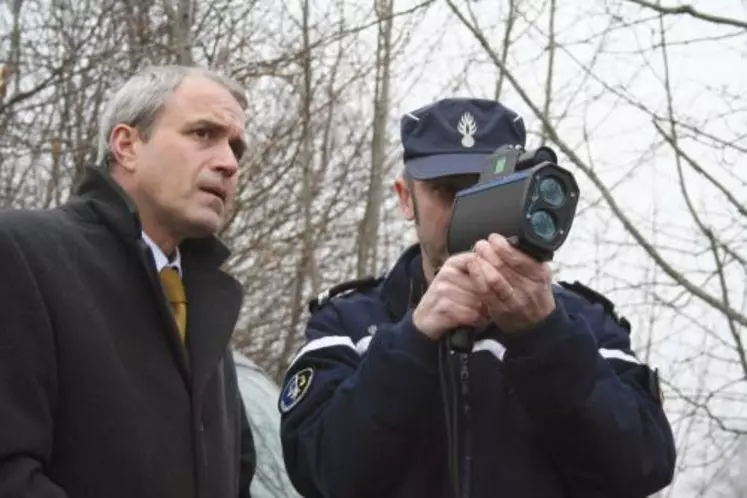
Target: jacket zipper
[(466, 425)]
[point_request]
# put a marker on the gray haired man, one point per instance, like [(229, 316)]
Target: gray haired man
[(116, 375)]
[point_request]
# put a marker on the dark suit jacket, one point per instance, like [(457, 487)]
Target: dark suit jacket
[(97, 396)]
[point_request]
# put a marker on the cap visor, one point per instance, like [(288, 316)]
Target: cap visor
[(430, 167)]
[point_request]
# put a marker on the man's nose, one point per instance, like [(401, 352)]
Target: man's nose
[(226, 163)]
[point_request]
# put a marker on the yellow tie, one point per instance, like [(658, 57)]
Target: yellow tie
[(174, 290)]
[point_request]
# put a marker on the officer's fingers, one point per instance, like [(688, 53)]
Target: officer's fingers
[(456, 269), (449, 293), (515, 259), (466, 283), (476, 275), (490, 281), (464, 315), (485, 250), (458, 261)]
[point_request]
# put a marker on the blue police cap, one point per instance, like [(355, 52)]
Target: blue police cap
[(456, 136)]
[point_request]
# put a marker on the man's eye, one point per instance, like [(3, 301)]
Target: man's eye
[(238, 148), (202, 133)]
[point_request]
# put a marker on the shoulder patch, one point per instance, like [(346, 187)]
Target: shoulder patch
[(351, 285), (595, 297), (295, 389)]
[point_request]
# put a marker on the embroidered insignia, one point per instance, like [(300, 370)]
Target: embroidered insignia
[(467, 127), (295, 389)]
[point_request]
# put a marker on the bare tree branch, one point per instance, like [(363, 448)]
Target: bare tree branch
[(691, 11), (732, 313), (740, 207)]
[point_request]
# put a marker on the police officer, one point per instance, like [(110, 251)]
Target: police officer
[(550, 402)]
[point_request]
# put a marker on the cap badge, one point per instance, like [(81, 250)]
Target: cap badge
[(467, 128)]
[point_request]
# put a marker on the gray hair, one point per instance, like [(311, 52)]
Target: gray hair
[(138, 102)]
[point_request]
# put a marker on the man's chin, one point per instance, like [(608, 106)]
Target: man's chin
[(205, 225)]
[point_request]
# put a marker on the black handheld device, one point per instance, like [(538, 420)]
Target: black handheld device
[(521, 194)]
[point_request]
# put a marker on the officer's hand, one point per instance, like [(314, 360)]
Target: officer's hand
[(450, 301), (515, 288)]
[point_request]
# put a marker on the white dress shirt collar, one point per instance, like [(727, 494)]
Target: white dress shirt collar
[(160, 257)]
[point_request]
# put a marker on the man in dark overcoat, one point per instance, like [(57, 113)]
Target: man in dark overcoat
[(116, 374)]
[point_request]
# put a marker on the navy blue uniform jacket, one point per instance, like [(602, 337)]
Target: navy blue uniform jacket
[(563, 410)]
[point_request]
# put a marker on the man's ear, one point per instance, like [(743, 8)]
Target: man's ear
[(123, 143), (405, 196)]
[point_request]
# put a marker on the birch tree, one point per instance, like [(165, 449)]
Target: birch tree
[(369, 227)]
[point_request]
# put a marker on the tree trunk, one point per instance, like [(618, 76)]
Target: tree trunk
[(550, 69), (181, 19), (306, 160), (368, 228), (510, 20)]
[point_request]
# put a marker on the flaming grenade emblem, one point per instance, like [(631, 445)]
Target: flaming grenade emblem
[(467, 128)]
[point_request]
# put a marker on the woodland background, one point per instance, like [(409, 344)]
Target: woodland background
[(642, 99)]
